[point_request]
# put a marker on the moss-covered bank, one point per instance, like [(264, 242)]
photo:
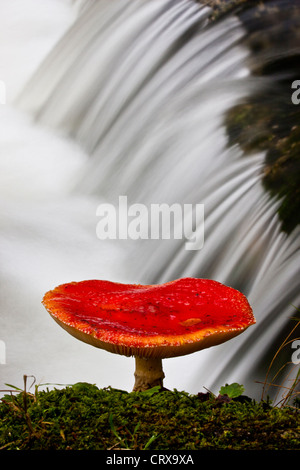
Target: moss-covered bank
[(83, 417)]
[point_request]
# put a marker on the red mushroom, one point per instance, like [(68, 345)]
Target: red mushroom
[(150, 322)]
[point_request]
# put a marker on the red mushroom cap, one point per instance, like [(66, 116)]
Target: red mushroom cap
[(172, 319)]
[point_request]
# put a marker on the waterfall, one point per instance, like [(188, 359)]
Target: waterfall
[(131, 100)]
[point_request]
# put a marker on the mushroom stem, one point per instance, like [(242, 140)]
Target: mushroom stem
[(148, 373)]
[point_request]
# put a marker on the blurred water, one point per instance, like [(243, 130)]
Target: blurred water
[(131, 101)]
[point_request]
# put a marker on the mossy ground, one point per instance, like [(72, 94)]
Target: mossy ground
[(83, 417)]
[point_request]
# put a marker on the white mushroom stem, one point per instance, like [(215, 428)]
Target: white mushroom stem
[(148, 373)]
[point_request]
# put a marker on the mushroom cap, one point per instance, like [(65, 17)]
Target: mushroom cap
[(166, 320)]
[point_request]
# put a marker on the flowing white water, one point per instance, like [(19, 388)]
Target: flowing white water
[(46, 235), (142, 87)]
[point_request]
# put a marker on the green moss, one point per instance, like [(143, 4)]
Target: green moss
[(83, 417)]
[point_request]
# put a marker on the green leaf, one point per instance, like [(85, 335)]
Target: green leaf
[(152, 438), (84, 387), (136, 428), (13, 386), (111, 423), (233, 390), (114, 431), (151, 391)]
